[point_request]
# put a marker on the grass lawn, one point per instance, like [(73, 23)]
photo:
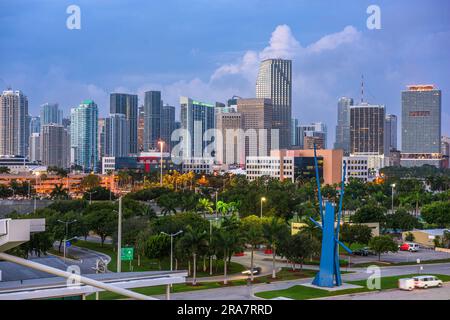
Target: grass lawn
[(304, 293), (152, 264)]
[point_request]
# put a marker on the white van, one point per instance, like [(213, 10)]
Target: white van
[(406, 284), (427, 282)]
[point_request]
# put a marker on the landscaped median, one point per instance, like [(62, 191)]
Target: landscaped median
[(300, 292), (283, 275)]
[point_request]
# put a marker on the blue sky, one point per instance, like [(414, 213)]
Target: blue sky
[(210, 49)]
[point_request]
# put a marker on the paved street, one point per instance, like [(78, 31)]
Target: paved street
[(403, 256), (418, 294)]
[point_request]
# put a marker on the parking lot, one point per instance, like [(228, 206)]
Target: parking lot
[(404, 256)]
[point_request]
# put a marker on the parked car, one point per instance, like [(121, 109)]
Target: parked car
[(363, 252), (256, 270), (409, 246), (427, 282), (406, 284)]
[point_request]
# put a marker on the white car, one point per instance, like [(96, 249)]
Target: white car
[(427, 282)]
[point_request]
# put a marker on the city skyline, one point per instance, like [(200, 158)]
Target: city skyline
[(320, 55)]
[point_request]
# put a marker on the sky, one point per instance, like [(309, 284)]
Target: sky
[(210, 50)]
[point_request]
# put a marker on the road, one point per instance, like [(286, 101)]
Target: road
[(246, 292), (418, 294)]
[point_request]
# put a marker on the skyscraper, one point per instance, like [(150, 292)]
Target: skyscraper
[(35, 125), (390, 133), (196, 117), (14, 127), (421, 126), (343, 125), (152, 119), (101, 138), (54, 150), (127, 104), (50, 113), (34, 146), (367, 129), (167, 126), (294, 137), (117, 142), (275, 82), (230, 124), (257, 124), (83, 127)]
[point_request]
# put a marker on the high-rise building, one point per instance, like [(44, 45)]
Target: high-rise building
[(445, 150), (196, 118), (316, 131), (141, 122), (34, 154), (14, 127), (230, 125), (294, 137), (257, 124), (390, 133), (367, 129), (83, 128), (50, 113), (117, 143), (101, 138), (275, 82), (127, 104), (167, 126), (343, 125), (152, 119), (54, 141), (421, 126), (35, 125)]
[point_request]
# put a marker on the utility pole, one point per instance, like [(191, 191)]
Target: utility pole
[(66, 224), (119, 237), (172, 235)]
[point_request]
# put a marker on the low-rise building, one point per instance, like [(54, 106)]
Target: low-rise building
[(364, 167), (297, 164), (425, 237)]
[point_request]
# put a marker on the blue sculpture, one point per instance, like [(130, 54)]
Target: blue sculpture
[(329, 274)]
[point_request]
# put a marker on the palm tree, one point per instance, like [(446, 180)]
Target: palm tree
[(253, 234), (274, 229), (205, 205), (228, 242), (194, 240), (222, 207), (59, 192), (167, 204)]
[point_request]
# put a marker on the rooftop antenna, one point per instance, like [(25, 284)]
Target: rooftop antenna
[(362, 88)]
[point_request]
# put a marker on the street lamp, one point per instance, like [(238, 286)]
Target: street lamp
[(171, 235), (161, 144), (90, 195), (263, 199), (392, 203), (66, 223), (119, 236)]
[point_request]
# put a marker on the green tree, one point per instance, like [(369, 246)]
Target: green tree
[(103, 222), (437, 213), (59, 193), (274, 231), (253, 234), (157, 247), (298, 247), (227, 241), (194, 240), (167, 202), (91, 181), (356, 233), (205, 206), (370, 213), (383, 244), (402, 220), (4, 170), (98, 193)]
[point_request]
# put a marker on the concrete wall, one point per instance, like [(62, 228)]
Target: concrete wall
[(21, 206)]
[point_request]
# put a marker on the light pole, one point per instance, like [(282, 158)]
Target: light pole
[(119, 236), (66, 223), (90, 195), (217, 213), (171, 235), (161, 144), (392, 203), (263, 199)]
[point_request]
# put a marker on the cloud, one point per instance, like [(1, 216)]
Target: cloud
[(332, 41), (282, 44)]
